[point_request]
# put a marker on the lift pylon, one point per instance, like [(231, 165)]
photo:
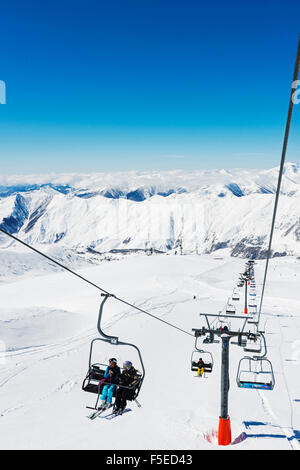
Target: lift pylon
[(226, 335)]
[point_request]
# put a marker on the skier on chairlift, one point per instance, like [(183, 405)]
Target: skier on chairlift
[(129, 378), (111, 379), (200, 365)]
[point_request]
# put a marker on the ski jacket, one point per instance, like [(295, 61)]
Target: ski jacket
[(112, 378), (200, 364), (129, 377)]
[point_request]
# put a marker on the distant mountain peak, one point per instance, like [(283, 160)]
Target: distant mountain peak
[(210, 209)]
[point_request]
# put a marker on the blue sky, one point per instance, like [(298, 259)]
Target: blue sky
[(146, 84)]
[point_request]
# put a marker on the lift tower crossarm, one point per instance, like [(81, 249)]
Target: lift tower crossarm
[(204, 331)]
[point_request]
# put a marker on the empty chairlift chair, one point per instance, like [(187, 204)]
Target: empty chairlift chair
[(253, 306), (235, 297), (255, 373), (230, 309), (254, 319)]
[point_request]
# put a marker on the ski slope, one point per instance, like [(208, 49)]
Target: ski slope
[(48, 321)]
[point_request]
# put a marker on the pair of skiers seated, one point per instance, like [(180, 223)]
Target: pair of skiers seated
[(113, 377)]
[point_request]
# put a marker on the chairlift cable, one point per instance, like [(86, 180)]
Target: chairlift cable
[(91, 283), (283, 154)]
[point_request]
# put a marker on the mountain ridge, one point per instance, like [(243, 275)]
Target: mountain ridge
[(203, 210)]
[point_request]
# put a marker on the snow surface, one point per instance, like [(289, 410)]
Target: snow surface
[(47, 323)]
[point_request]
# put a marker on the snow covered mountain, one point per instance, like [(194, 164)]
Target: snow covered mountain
[(202, 210)]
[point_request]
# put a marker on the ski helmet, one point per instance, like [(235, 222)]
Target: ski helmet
[(112, 359), (127, 364)]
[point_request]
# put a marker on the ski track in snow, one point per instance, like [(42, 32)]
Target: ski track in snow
[(270, 409)]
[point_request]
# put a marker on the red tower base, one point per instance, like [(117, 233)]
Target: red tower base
[(245, 310), (224, 434)]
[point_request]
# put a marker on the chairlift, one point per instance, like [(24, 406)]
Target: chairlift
[(235, 297), (94, 380), (255, 373), (210, 338), (223, 325), (230, 309), (253, 312), (253, 320), (206, 357), (254, 344)]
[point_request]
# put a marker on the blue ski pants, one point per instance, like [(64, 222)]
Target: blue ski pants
[(107, 393)]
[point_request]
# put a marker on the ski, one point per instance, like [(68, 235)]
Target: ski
[(97, 413), (109, 415), (115, 415)]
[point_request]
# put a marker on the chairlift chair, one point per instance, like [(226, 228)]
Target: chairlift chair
[(206, 357), (230, 309), (94, 380), (252, 311), (255, 373), (209, 339), (222, 325), (253, 344), (254, 319)]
